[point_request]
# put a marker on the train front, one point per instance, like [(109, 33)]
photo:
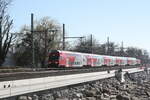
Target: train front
[(53, 58)]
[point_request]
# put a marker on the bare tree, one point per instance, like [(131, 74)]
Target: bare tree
[(6, 37), (47, 36)]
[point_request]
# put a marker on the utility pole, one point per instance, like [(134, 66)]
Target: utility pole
[(0, 25), (122, 48), (63, 36), (0, 35), (107, 45), (46, 32), (91, 44), (32, 32), (122, 45), (0, 29)]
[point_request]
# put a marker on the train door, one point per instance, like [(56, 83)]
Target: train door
[(89, 60), (105, 61), (110, 61), (78, 60), (117, 61), (84, 60), (101, 60), (67, 62), (113, 61), (94, 60), (125, 61), (129, 61), (62, 60)]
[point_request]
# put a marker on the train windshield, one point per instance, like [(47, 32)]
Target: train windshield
[(54, 55)]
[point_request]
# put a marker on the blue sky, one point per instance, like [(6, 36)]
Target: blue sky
[(121, 20)]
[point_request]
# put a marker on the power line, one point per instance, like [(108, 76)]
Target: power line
[(64, 37)]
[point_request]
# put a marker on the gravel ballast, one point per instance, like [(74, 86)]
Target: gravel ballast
[(136, 87)]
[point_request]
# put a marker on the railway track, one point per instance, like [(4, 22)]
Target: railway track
[(36, 73)]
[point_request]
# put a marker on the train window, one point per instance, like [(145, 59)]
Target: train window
[(54, 56)]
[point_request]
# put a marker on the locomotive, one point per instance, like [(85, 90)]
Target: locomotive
[(58, 58)]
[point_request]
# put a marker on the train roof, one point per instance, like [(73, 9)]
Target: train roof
[(94, 54)]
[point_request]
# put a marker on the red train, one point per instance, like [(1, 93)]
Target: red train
[(58, 58)]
